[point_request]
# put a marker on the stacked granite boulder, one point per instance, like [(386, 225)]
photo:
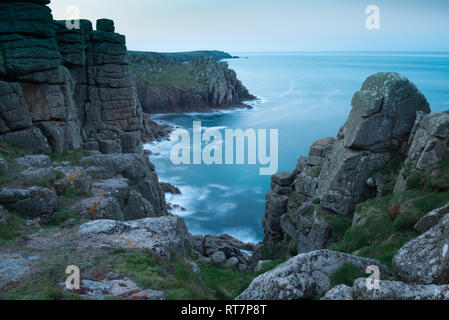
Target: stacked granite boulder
[(335, 176), (64, 88)]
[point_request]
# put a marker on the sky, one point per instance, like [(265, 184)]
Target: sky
[(269, 25)]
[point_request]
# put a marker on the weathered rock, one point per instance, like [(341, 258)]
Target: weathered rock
[(304, 276), (3, 218), (275, 207), (75, 180), (218, 257), (105, 25), (31, 139), (208, 245), (3, 165), (137, 169), (33, 201), (117, 188), (100, 290), (319, 151), (395, 290), (40, 161), (383, 113), (425, 259), (430, 145), (283, 178), (212, 84), (342, 182), (431, 219), (169, 188), (311, 234), (150, 295), (14, 268), (137, 207), (341, 292), (98, 207), (159, 235), (233, 262)]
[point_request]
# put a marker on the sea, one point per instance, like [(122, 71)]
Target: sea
[(305, 97)]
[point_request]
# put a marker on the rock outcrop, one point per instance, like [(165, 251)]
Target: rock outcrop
[(223, 247), (336, 174), (159, 235), (428, 146), (304, 276), (425, 260), (64, 88), (166, 86)]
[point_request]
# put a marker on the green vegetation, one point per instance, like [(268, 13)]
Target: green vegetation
[(337, 224), (74, 156), (62, 215), (389, 175), (347, 274), (314, 171), (186, 56), (178, 280)]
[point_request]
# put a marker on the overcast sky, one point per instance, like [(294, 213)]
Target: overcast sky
[(270, 25)]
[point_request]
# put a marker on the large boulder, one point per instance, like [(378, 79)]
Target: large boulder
[(304, 276), (275, 207), (160, 235), (378, 129), (396, 290), (431, 219), (425, 259), (137, 169), (33, 201), (341, 292), (208, 245), (383, 113)]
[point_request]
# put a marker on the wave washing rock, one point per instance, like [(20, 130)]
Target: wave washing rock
[(336, 172), (425, 259), (159, 235), (64, 88), (165, 86), (305, 276)]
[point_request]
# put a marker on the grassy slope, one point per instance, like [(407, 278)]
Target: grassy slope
[(187, 56)]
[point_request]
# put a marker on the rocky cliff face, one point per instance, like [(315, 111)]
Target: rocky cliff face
[(64, 89), (336, 173), (61, 88), (165, 86)]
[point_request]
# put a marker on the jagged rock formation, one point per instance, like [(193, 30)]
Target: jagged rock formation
[(425, 260), (304, 276), (166, 86), (64, 88), (337, 171), (159, 235), (224, 247)]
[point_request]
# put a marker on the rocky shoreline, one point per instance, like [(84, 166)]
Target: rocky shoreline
[(76, 187)]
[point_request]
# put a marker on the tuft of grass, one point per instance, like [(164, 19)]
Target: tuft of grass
[(74, 156), (347, 274), (314, 171), (61, 215)]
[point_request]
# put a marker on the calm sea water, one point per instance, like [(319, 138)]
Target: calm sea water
[(306, 97)]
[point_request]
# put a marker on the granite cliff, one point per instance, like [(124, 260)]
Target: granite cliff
[(380, 189), (202, 84)]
